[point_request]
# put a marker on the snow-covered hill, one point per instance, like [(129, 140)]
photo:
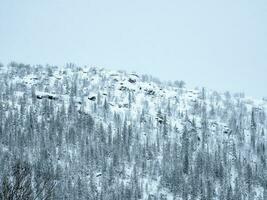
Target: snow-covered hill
[(103, 134)]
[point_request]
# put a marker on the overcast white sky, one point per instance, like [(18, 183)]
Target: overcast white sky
[(217, 44)]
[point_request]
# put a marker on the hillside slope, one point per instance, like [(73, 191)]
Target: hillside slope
[(102, 134)]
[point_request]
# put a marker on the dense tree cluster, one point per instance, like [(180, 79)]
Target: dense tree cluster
[(58, 142)]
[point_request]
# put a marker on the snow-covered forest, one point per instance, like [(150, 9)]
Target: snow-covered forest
[(89, 133)]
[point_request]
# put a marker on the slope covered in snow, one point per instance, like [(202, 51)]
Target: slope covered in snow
[(103, 134)]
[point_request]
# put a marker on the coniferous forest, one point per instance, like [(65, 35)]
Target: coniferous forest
[(76, 133)]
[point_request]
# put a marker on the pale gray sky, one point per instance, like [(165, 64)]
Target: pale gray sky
[(217, 44)]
